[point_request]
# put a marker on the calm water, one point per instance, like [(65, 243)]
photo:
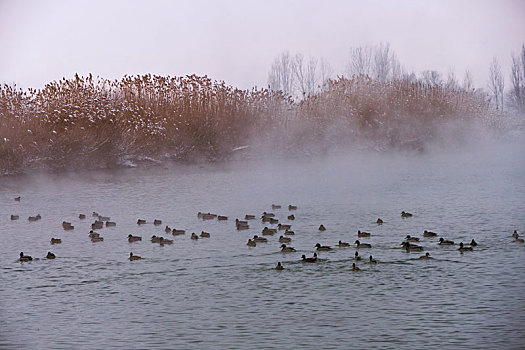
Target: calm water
[(217, 293)]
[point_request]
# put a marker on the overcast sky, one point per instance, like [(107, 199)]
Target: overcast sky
[(236, 40)]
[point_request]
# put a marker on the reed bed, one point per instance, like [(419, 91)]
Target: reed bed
[(89, 123)]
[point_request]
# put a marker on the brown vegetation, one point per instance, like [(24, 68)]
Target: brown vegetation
[(92, 123)]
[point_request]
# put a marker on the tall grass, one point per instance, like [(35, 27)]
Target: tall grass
[(88, 122)]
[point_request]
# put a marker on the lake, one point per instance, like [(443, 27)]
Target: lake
[(218, 293)]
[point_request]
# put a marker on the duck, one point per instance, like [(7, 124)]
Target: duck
[(81, 216), (17, 199), (97, 239), (157, 222), (208, 216), (372, 260), (167, 229), (404, 214), (355, 268), (463, 248), (251, 243), (222, 218), (409, 238), (34, 218), (291, 217), (249, 217), (443, 241), (141, 222), (429, 234), (279, 266), (111, 224), (205, 234), (286, 249), (273, 221), (176, 232), (269, 231), (55, 240), (276, 206), (283, 239), (95, 214), (363, 234), (515, 234), (284, 227), (356, 256), (134, 257), (259, 239), (163, 241), (25, 257), (97, 225), (322, 228), (289, 232), (411, 247), (292, 207), (50, 255), (93, 234), (379, 221), (15, 217), (268, 215), (322, 247), (426, 256), (194, 236), (313, 259), (155, 239), (473, 243), (343, 244), (518, 240), (362, 245), (132, 238)]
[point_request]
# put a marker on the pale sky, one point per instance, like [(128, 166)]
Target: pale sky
[(237, 40)]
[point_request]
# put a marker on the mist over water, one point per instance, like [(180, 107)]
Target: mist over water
[(219, 293)]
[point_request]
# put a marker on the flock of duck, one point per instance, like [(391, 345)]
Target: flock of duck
[(409, 244)]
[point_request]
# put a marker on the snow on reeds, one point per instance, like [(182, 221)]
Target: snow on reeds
[(88, 122)]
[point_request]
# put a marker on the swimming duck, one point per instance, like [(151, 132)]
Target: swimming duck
[(518, 240), (273, 221), (426, 256), (289, 233), (279, 266), (284, 239), (363, 234), (251, 243), (50, 255), (405, 214), (157, 222), (222, 218), (286, 249), (25, 257), (167, 229), (260, 239), (284, 227), (194, 236), (17, 199), (241, 225), (208, 216), (443, 241), (34, 218), (93, 234), (355, 268), (97, 239), (356, 256), (55, 240), (322, 247), (132, 238), (15, 217), (249, 217), (362, 245), (343, 244), (379, 221), (291, 217), (463, 248), (134, 257), (473, 243), (205, 234), (178, 232), (95, 214), (141, 222), (309, 260), (411, 247), (81, 216), (163, 241), (111, 224), (429, 234), (276, 206), (372, 260), (155, 239), (269, 231), (97, 225), (322, 228), (268, 215), (409, 238), (515, 234), (292, 207)]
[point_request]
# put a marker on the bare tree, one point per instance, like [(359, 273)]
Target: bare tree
[(452, 83), (517, 76), (496, 83), (468, 81), (431, 77), (382, 62), (360, 61), (281, 73), (325, 73), (305, 74)]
